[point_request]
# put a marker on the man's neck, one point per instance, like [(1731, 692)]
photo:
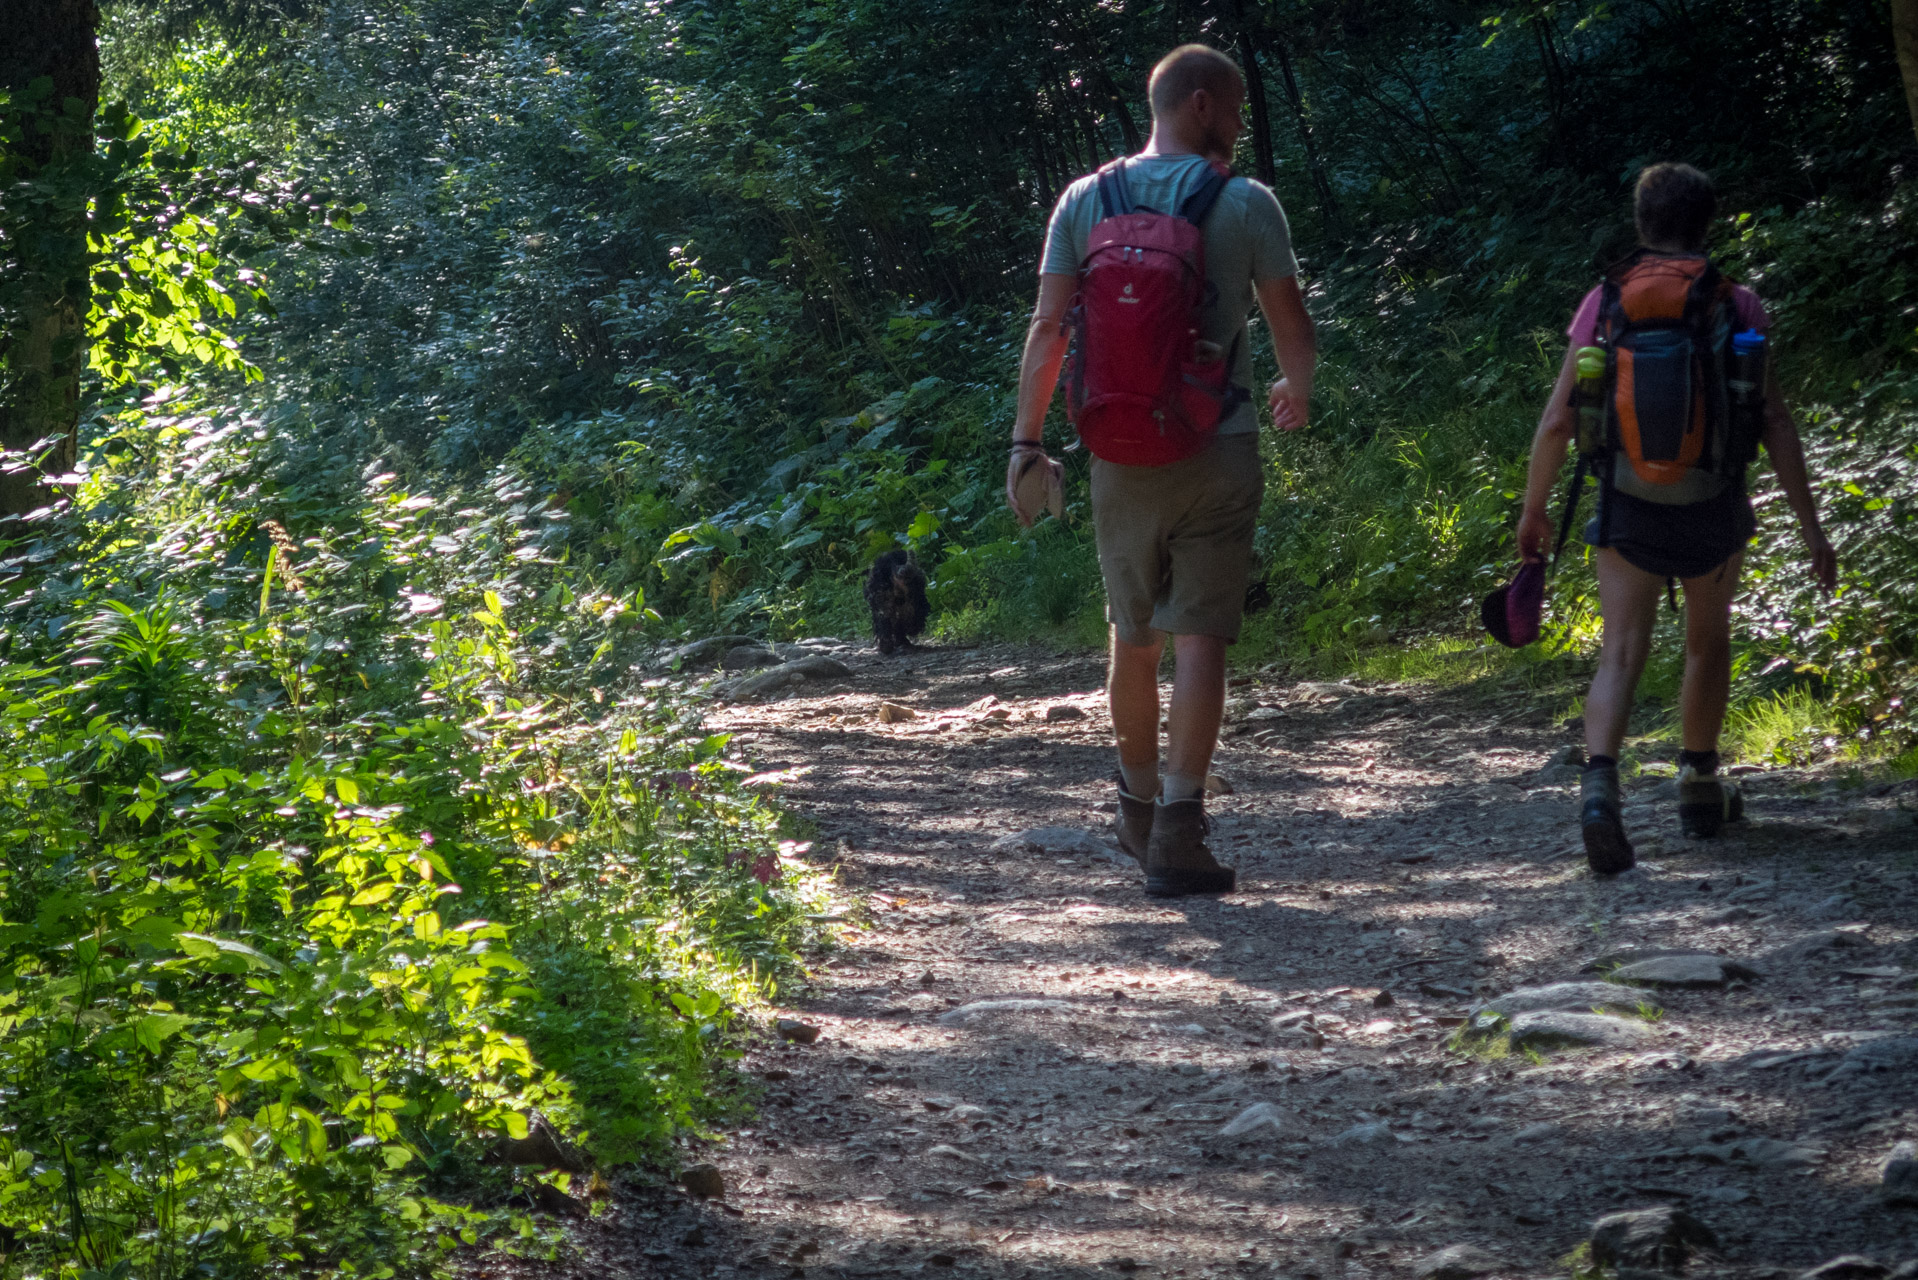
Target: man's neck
[(1164, 142)]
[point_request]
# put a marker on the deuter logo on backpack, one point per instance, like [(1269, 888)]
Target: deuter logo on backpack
[(1143, 389), (1678, 428)]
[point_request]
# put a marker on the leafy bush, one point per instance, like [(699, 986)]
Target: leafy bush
[(325, 863)]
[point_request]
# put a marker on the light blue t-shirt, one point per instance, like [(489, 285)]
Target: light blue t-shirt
[(1247, 242)]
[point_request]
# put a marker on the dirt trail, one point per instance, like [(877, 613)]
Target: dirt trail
[(1400, 858)]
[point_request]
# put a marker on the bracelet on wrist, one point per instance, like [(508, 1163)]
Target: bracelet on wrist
[(1027, 444)]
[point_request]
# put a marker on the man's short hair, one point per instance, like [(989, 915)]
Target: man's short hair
[(1188, 69), (1674, 205)]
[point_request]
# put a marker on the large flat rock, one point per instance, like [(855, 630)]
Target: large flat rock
[(1561, 1028)]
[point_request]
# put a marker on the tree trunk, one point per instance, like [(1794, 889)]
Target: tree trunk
[(1904, 34), (43, 344), (1261, 121), (1328, 203)]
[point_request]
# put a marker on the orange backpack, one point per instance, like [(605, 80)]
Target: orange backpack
[(1665, 324)]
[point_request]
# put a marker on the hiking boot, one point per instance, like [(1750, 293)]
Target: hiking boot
[(1706, 802), (1134, 824), (1177, 861), (1606, 847)]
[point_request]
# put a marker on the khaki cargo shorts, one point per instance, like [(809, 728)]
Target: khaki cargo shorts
[(1175, 542)]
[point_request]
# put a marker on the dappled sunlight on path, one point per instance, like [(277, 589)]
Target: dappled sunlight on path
[(1027, 1068)]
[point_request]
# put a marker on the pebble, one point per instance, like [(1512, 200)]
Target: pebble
[(1060, 712), (796, 1031), (704, 1181), (1898, 1180), (1260, 1115), (1723, 1195), (1459, 1262), (895, 713), (1553, 1028), (1659, 1239), (1580, 996), (967, 1014), (1364, 1134), (950, 1152)]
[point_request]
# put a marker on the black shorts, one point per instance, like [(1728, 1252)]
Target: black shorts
[(1674, 542)]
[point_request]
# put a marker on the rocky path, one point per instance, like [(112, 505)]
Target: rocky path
[(1026, 1068)]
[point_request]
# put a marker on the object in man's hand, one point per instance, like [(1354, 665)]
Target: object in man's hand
[(1037, 489), (1513, 613), (896, 594)]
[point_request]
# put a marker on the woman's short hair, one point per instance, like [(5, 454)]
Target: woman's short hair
[(1673, 205)]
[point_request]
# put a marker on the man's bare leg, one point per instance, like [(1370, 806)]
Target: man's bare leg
[(1132, 689), (1198, 705)]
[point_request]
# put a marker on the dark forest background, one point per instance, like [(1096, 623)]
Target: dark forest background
[(383, 381)]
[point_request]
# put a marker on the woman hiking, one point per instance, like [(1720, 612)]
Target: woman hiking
[(1670, 428)]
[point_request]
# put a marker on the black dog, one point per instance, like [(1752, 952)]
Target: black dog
[(896, 592)]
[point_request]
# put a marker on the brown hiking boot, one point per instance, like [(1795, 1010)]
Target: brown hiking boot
[(1177, 861), (1602, 822), (1134, 824), (1706, 803)]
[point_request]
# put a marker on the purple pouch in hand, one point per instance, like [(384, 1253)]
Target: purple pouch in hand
[(1512, 613)]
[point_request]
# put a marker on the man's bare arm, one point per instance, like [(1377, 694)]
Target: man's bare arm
[(1039, 376), (1045, 352), (1295, 342)]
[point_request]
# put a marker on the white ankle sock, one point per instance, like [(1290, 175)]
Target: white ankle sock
[(1141, 780), (1182, 786)]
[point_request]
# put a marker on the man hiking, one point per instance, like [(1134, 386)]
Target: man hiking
[(1677, 391), (1150, 269)]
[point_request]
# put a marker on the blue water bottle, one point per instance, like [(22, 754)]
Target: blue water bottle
[(1746, 383)]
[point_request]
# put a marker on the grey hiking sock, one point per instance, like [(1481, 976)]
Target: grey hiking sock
[(1141, 780), (1182, 786)]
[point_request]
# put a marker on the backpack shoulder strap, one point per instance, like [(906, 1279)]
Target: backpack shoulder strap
[(1611, 310), (1708, 288), (1114, 198), (1200, 202)]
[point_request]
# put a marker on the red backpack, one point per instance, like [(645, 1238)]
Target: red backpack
[(1142, 388)]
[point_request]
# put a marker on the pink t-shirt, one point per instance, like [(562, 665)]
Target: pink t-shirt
[(1751, 314)]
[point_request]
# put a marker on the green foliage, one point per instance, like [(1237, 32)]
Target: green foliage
[(321, 868)]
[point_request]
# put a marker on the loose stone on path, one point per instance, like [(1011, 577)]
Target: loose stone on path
[(1459, 1262), (980, 1010), (1579, 996), (1695, 970)]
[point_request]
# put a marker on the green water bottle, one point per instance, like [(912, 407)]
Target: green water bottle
[(1588, 397)]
